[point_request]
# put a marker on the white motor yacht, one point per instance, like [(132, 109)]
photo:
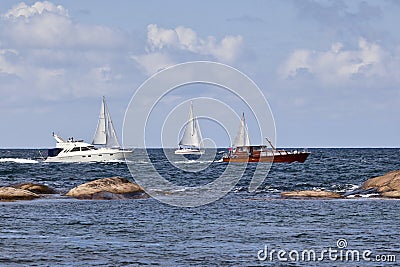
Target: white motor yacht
[(79, 151)]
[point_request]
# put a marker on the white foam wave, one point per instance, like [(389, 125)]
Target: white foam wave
[(138, 161), (364, 195), (353, 187), (18, 160), (114, 161), (193, 161)]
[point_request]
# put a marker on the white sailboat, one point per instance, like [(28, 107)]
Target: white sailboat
[(191, 141), (79, 151)]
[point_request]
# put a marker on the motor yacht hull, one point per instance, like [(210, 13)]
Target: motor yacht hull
[(98, 155)]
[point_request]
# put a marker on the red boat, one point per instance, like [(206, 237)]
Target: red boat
[(263, 154), (242, 151)]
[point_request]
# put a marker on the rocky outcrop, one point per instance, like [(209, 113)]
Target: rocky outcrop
[(387, 185), (310, 194), (35, 188), (11, 194), (108, 189)]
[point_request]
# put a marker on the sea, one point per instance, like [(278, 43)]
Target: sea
[(241, 228)]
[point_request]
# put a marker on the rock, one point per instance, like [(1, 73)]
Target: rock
[(108, 189), (310, 194), (388, 185), (35, 188), (391, 194), (11, 193), (387, 182)]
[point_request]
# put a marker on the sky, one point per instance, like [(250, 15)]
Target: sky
[(330, 70)]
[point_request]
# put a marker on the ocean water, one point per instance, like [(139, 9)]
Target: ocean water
[(235, 230)]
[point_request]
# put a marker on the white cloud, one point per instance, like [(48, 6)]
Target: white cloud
[(23, 10), (186, 39), (159, 40), (228, 49), (45, 54), (46, 25), (153, 62), (337, 64), (7, 67)]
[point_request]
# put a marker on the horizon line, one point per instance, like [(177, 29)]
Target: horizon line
[(279, 147)]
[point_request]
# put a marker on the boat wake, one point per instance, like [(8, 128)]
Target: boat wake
[(193, 161), (18, 160), (137, 161)]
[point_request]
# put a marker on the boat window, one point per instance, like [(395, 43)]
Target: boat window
[(84, 148), (75, 149), (53, 152), (242, 149)]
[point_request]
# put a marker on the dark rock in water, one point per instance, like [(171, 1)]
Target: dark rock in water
[(11, 193), (359, 191), (387, 185), (310, 194), (108, 189), (35, 188), (104, 195)]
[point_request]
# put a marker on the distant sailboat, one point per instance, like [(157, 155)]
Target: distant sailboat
[(79, 151), (191, 141)]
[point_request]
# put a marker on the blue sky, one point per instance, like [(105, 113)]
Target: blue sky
[(330, 69)]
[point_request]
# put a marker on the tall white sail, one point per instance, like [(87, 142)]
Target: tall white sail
[(105, 132), (192, 134), (242, 137)]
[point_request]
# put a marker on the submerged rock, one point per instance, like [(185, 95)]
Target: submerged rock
[(11, 193), (310, 194), (387, 185), (35, 188), (108, 189)]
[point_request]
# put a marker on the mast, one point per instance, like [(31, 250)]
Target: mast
[(270, 143)]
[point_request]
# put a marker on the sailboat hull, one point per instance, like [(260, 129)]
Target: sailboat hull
[(189, 151)]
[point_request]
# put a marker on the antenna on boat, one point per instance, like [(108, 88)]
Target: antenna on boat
[(270, 143)]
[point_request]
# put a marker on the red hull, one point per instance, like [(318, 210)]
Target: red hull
[(287, 158)]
